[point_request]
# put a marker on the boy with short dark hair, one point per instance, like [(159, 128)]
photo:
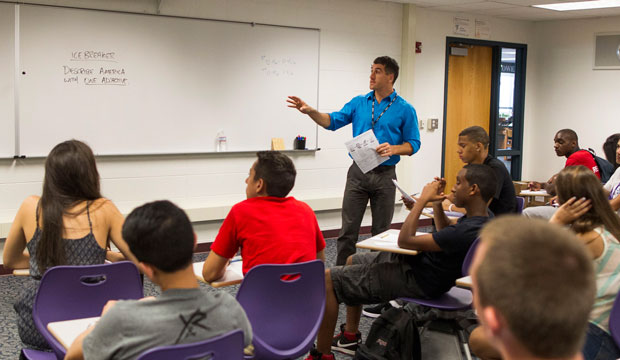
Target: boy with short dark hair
[(160, 235), (376, 277), (268, 227), (473, 148)]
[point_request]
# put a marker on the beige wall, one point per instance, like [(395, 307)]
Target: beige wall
[(562, 91)]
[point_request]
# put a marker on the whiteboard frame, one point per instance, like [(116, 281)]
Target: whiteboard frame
[(17, 48)]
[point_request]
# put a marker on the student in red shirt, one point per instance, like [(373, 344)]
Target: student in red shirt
[(268, 227), (566, 143)]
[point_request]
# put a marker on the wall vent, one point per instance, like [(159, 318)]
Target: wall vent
[(607, 51)]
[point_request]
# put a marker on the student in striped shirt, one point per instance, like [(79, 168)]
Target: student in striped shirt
[(586, 209), (598, 226)]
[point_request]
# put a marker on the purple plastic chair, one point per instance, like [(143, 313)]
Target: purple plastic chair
[(75, 292), (520, 204), (38, 355), (227, 346), (285, 314), (614, 321), (456, 298)]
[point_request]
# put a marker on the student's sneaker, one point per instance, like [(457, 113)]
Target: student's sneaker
[(315, 355), (377, 310), (345, 342)]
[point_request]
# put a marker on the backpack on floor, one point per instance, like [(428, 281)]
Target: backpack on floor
[(605, 168), (393, 336)]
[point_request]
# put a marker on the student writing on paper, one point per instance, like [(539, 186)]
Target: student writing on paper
[(533, 288), (69, 224), (395, 124), (161, 237), (269, 227), (473, 148), (377, 277), (585, 208)]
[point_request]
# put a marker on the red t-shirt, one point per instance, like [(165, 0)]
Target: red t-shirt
[(583, 157), (270, 230)]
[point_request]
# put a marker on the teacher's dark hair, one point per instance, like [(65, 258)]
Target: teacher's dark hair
[(159, 233), (70, 177), (390, 65), (277, 171)]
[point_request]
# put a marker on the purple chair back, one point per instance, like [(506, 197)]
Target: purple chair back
[(520, 204), (285, 314), (227, 346), (469, 257), (75, 292), (614, 321)]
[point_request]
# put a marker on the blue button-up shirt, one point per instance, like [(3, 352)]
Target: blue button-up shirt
[(399, 124)]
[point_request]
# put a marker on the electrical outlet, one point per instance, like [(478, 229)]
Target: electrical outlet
[(432, 124)]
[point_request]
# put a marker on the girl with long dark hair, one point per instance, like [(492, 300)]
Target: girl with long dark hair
[(69, 224)]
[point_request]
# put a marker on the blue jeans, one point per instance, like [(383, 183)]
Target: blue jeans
[(599, 345)]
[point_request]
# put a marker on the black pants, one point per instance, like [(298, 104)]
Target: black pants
[(376, 186)]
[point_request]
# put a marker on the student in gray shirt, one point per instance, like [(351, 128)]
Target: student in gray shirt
[(160, 235)]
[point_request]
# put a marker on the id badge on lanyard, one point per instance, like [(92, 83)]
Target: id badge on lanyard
[(374, 121)]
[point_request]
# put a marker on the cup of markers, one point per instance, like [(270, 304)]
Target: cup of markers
[(300, 143)]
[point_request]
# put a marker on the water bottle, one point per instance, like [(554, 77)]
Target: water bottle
[(221, 141)]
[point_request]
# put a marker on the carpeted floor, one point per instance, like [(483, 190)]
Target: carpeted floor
[(10, 286)]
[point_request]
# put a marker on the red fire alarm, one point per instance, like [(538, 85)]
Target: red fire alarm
[(418, 47)]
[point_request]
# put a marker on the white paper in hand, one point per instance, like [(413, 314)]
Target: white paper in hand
[(363, 150), (402, 191)]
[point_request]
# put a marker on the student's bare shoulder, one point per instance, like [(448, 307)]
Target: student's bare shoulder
[(27, 209), (31, 201), (103, 204), (104, 209), (29, 205)]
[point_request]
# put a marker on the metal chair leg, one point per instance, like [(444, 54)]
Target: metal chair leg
[(461, 335)]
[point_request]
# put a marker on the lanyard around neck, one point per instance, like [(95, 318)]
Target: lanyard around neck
[(374, 121)]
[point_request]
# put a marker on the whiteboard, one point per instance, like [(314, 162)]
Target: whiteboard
[(144, 84), (7, 80)]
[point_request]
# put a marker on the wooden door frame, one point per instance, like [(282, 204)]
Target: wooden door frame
[(518, 104)]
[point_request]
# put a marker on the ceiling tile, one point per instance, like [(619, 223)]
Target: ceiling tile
[(512, 9)]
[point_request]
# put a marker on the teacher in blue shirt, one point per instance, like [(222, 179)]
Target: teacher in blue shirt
[(395, 124)]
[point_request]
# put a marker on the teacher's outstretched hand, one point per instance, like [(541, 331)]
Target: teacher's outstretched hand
[(299, 104), (322, 119)]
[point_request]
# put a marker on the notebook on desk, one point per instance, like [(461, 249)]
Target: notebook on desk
[(386, 241), (232, 276), (66, 331)]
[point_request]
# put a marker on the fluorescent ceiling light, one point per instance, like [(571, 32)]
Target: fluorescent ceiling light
[(581, 5)]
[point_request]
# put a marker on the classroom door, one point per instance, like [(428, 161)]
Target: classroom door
[(468, 100)]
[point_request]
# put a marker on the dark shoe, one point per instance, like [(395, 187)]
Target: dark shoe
[(345, 345), (315, 355), (375, 311)]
